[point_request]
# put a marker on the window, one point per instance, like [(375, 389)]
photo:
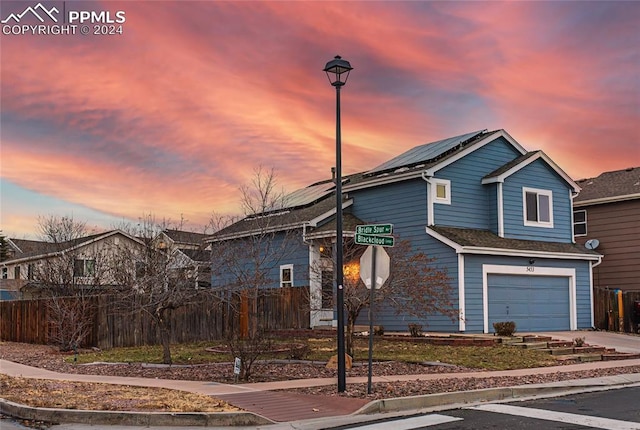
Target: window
[(286, 275), (30, 272), (5, 273), (580, 223), (16, 272), (82, 268), (327, 289), (441, 189), (538, 207)]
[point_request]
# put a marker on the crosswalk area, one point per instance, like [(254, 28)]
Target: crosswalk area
[(439, 420)]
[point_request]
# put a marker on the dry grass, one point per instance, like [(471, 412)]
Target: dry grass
[(106, 397)]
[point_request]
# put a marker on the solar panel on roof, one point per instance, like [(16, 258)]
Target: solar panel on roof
[(309, 194), (425, 152)]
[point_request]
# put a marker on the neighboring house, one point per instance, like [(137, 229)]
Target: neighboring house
[(85, 258), (607, 217), (189, 252), (497, 217)]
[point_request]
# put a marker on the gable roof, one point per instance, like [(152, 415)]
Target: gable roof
[(503, 172), (280, 221), (473, 241), (428, 151), (33, 250), (609, 187), (428, 159)]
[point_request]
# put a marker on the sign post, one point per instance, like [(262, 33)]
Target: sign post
[(371, 297), (376, 236)]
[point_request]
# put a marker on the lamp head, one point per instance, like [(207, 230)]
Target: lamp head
[(337, 71)]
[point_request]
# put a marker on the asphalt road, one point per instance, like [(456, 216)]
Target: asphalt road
[(611, 410)]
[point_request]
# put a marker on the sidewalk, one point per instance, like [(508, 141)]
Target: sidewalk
[(265, 406)]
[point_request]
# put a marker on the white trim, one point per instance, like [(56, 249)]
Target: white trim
[(284, 267), (461, 296), (538, 192), (573, 224), (314, 222), (490, 138), (278, 228), (73, 248), (450, 243), (478, 250), (416, 174), (447, 188), (488, 269), (500, 210), (430, 214), (604, 200), (538, 155)]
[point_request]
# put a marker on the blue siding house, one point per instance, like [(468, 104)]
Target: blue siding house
[(496, 216)]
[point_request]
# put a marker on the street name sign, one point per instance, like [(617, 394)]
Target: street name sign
[(375, 229), (369, 239)]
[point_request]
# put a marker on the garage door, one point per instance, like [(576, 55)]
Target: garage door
[(535, 303)]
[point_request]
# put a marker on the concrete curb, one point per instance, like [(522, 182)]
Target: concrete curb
[(148, 419), (400, 404)]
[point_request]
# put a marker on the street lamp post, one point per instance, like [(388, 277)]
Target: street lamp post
[(337, 71)]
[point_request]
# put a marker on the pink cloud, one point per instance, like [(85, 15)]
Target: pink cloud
[(175, 114)]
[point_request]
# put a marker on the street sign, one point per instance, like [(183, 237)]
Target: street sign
[(382, 266), (375, 229), (369, 239)]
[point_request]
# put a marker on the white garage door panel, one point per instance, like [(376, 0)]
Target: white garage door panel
[(535, 303)]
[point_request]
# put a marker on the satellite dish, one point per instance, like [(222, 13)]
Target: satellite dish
[(592, 243)]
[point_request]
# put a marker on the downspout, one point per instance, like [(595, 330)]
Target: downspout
[(430, 216), (500, 210)]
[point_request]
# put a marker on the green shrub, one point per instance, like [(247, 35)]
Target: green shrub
[(504, 328)]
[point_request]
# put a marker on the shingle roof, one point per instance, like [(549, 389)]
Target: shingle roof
[(34, 248), (610, 185), (185, 237), (31, 248), (197, 255), (511, 164), (417, 166), (283, 219), (486, 239), (349, 223)]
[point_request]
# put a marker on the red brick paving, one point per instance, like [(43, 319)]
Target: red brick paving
[(283, 407)]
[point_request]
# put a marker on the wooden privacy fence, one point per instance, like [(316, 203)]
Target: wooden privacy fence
[(606, 313), (29, 321)]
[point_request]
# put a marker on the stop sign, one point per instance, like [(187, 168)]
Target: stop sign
[(382, 265)]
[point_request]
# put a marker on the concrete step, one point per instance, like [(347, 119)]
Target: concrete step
[(560, 344), (610, 356), (532, 339), (589, 349), (531, 345), (589, 357), (559, 351)]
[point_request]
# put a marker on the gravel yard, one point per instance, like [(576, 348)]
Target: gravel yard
[(47, 357)]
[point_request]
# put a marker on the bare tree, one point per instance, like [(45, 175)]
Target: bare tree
[(69, 278), (246, 255), (415, 286), (60, 229), (155, 280)]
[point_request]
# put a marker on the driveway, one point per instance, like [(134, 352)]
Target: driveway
[(621, 342)]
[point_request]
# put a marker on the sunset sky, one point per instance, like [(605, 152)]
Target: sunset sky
[(172, 116)]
